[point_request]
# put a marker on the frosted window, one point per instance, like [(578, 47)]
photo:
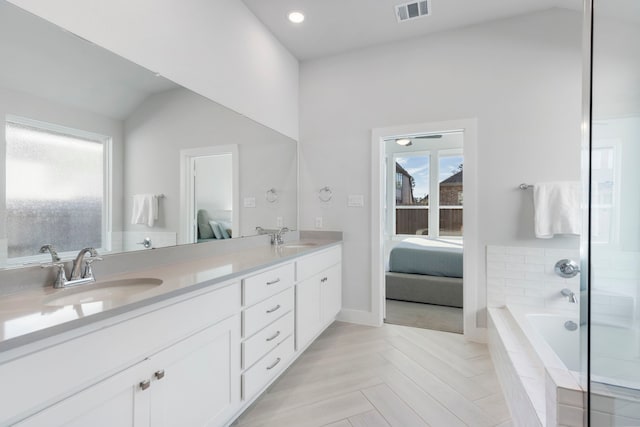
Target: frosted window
[(55, 185)]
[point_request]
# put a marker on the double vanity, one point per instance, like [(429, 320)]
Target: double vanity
[(189, 343)]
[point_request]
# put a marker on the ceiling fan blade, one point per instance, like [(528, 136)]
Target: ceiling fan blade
[(428, 137)]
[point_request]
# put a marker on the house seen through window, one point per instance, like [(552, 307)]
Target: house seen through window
[(429, 191)]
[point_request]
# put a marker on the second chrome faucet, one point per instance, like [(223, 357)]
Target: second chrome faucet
[(81, 272)]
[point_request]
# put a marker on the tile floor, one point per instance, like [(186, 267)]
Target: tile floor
[(354, 376), (426, 316)]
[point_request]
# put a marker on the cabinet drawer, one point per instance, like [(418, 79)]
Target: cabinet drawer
[(270, 282), (313, 264), (262, 314), (266, 369), (264, 341)]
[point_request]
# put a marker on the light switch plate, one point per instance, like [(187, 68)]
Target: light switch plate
[(355, 200), (279, 221), (249, 202), (318, 222)]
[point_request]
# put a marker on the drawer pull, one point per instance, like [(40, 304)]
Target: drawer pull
[(145, 384), (273, 365), (273, 282), (277, 307), (277, 334), (159, 374)]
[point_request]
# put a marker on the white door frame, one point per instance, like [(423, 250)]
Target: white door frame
[(187, 213), (470, 215)]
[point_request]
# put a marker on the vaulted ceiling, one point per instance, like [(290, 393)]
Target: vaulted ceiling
[(335, 26)]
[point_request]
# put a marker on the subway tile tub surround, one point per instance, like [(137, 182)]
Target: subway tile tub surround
[(522, 289), (133, 360)]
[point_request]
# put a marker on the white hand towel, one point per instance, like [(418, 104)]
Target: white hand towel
[(145, 209), (557, 208)]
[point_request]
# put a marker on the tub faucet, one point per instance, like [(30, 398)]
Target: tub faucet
[(570, 295)]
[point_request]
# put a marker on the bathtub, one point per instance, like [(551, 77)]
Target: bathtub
[(537, 360)]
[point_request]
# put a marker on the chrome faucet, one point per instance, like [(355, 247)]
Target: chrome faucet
[(278, 237), (570, 295), (81, 272)]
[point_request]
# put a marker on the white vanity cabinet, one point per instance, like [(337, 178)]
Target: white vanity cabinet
[(268, 325), (197, 359), (145, 370), (318, 293), (191, 383)]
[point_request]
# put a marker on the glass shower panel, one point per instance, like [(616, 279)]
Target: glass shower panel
[(614, 356)]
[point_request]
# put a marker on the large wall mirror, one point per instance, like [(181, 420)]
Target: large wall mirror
[(98, 151)]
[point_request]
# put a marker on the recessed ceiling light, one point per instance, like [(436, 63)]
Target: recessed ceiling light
[(296, 17), (405, 142)]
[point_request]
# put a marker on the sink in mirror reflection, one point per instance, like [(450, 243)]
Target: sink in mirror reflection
[(111, 291), (86, 133)]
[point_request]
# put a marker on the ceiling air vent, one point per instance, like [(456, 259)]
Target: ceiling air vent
[(412, 10)]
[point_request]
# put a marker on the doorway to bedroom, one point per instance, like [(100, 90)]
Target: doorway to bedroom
[(423, 223)]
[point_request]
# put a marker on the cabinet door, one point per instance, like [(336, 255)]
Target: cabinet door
[(331, 293), (117, 401), (308, 312), (196, 382)]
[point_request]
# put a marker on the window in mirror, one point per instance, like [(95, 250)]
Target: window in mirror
[(55, 187)]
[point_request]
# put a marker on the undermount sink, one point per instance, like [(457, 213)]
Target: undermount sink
[(299, 245), (115, 290)]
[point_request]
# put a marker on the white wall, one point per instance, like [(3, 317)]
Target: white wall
[(214, 183), (216, 48), (521, 79), (179, 119)]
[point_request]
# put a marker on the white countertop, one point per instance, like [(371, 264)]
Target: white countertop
[(25, 317)]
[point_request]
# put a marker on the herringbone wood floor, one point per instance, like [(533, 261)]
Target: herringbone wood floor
[(354, 376)]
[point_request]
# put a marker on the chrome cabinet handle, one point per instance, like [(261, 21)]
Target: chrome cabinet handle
[(159, 374), (145, 384), (273, 282), (273, 309), (277, 334), (273, 365)]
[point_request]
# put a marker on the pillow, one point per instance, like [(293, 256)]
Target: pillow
[(216, 229), (204, 228), (225, 227)]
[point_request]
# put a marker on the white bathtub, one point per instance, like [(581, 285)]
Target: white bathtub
[(538, 364)]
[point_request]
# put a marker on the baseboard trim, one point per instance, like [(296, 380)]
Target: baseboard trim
[(359, 317), (478, 335)]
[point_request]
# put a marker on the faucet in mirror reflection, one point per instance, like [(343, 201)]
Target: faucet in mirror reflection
[(277, 235)]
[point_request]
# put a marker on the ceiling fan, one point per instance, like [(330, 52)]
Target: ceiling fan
[(405, 142)]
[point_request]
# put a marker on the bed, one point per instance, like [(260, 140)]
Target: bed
[(419, 272), (213, 228)]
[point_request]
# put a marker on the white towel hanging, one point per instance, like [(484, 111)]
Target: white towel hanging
[(145, 209), (557, 208)]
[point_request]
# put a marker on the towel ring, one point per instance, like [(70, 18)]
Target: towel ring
[(271, 195), (325, 194)]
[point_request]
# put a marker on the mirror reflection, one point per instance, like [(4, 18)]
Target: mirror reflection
[(101, 152)]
